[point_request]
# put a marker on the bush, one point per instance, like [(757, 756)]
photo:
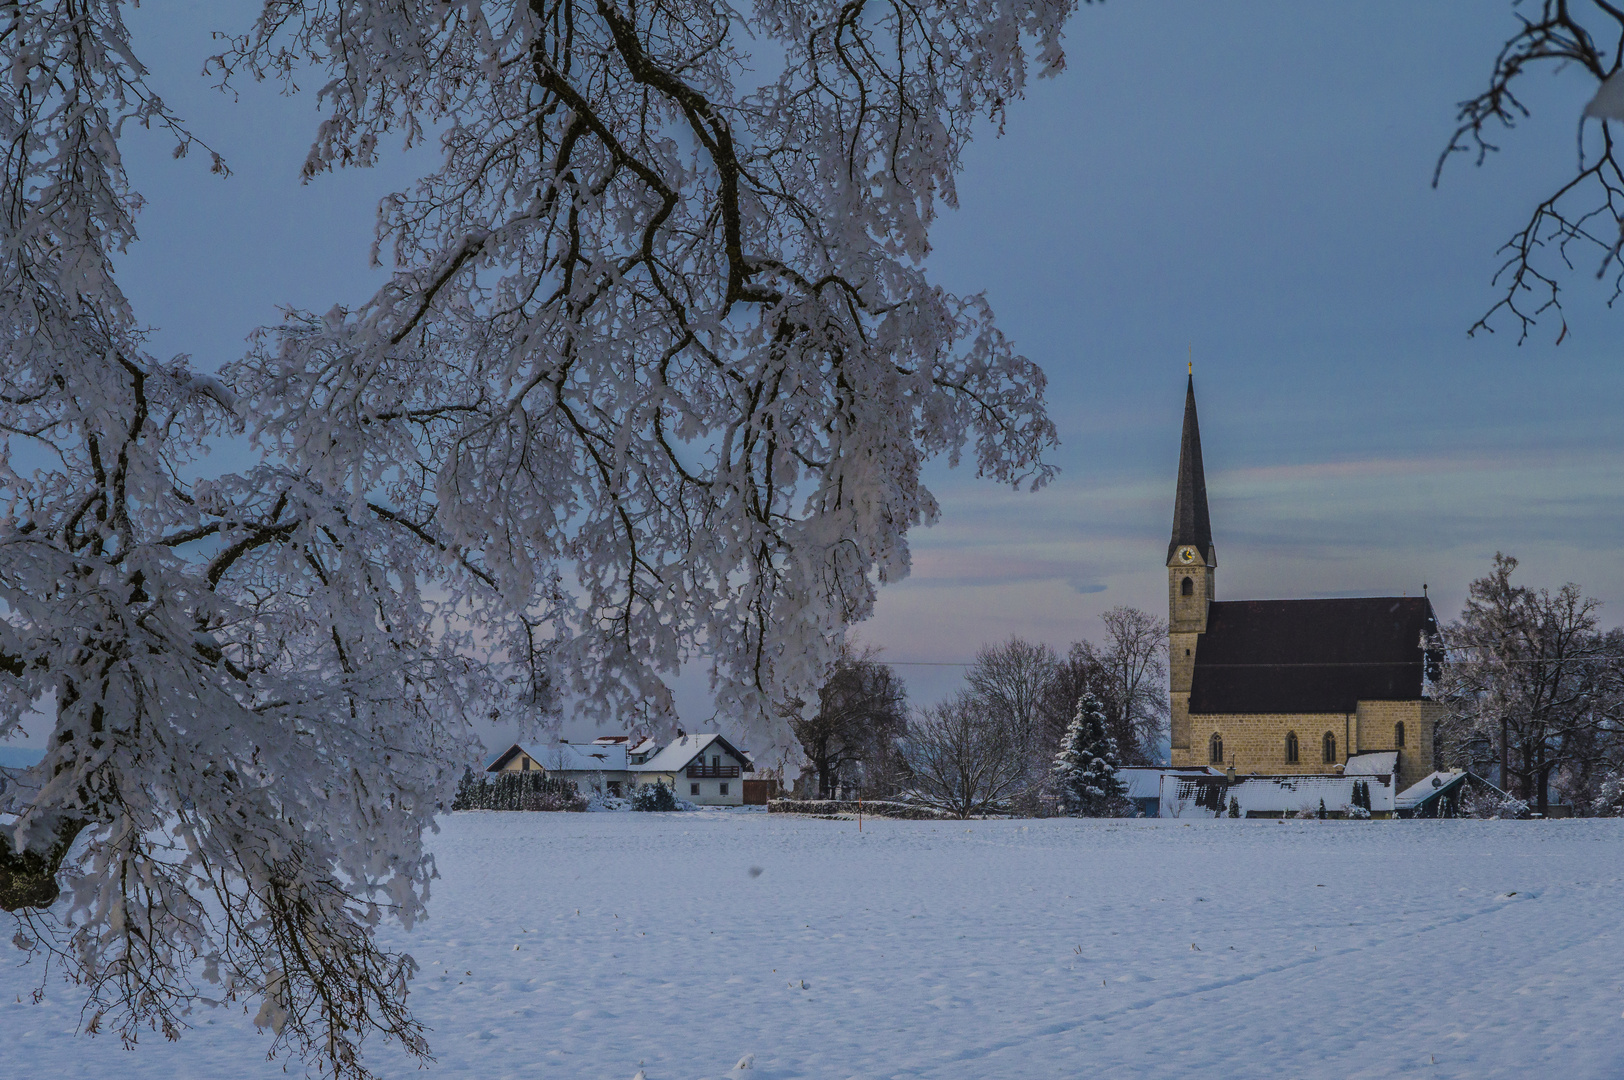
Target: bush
[(1609, 801), (654, 798), (1487, 803), (1234, 807)]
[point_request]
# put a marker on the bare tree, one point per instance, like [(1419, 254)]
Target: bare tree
[(1529, 677), (656, 371), (1127, 672), (1010, 681), (1135, 662), (1583, 218), (963, 758), (862, 711)]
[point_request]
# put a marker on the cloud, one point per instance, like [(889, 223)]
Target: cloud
[(1085, 587)]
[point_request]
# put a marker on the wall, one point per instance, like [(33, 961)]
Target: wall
[(1256, 742), (709, 789)]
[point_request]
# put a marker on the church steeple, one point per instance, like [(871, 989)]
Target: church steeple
[(1191, 525), (1191, 579)]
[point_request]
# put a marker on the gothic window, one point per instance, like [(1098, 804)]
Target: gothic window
[(1330, 748), (1188, 588), (1291, 748), (1215, 749), (1398, 733)]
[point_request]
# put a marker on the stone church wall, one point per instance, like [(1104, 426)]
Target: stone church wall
[(1256, 742)]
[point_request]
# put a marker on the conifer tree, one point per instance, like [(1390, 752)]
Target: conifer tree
[(1085, 770)]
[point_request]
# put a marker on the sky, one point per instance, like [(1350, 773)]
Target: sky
[(1246, 186)]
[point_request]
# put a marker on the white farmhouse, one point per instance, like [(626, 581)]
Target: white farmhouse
[(600, 767), (704, 769)]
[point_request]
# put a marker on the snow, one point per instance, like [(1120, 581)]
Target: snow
[(679, 752), (1426, 787), (1145, 782), (1381, 763), (1275, 794), (572, 757), (599, 945)]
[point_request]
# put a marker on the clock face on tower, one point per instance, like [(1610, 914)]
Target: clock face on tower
[(1187, 554)]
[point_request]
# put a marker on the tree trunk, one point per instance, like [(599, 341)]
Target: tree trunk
[(27, 878), (1505, 756)]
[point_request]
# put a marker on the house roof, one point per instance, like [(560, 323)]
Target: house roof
[(1191, 524), (1310, 656), (566, 757), (1145, 781), (1381, 763), (1291, 793), (684, 749), (1429, 787)]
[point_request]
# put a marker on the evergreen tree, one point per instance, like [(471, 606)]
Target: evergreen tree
[(1085, 770), (654, 798)]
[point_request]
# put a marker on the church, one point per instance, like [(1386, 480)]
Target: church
[(1289, 687)]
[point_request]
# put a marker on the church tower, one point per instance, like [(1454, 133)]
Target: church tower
[(1191, 561)]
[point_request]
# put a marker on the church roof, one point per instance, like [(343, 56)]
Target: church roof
[(1191, 524), (1310, 656)]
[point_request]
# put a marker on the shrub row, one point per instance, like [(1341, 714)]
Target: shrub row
[(832, 807), (516, 791)]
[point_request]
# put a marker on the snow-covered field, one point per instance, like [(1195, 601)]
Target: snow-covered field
[(590, 945)]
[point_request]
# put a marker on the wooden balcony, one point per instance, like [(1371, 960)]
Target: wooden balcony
[(713, 772)]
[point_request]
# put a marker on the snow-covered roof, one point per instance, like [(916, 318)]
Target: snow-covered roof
[(1290, 793), (647, 746), (682, 750), (1281, 793), (1425, 788), (1145, 781), (567, 757), (1382, 763)]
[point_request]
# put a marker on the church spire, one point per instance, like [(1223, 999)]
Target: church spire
[(1190, 522)]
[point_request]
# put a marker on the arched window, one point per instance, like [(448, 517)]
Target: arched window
[(1398, 733), (1291, 748), (1215, 749), (1188, 588), (1330, 748)]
